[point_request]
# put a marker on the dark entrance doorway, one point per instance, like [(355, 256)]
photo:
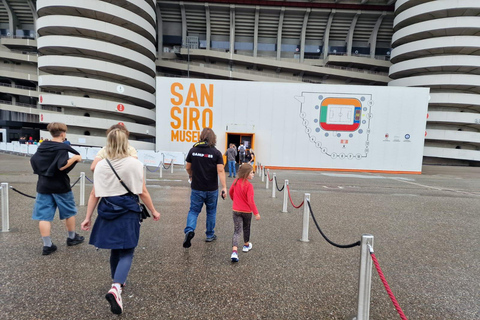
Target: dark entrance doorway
[(248, 140)]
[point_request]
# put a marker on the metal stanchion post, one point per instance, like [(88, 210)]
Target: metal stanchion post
[(268, 180), (82, 188), (171, 166), (306, 217), (365, 280), (161, 169), (274, 184), (5, 208), (259, 168), (285, 196), (262, 169)]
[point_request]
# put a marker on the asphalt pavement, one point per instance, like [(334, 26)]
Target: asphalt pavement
[(426, 239)]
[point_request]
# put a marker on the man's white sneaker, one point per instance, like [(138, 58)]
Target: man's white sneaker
[(247, 248), (234, 257), (114, 296)]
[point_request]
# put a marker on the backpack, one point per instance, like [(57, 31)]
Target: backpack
[(241, 149)]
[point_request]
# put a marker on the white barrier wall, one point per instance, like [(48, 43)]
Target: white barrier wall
[(147, 157), (307, 126)]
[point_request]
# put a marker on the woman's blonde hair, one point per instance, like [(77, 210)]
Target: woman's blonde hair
[(118, 126), (243, 172), (117, 144)]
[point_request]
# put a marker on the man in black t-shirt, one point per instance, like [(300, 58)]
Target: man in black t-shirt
[(204, 167)]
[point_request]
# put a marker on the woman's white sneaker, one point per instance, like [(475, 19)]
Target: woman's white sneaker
[(247, 248), (114, 297), (234, 256)]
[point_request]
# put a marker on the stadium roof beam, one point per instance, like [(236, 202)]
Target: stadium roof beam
[(232, 29), (12, 18), (159, 31), (255, 32), (280, 30), (209, 25), (31, 5), (373, 37), (350, 33), (302, 36), (326, 35)]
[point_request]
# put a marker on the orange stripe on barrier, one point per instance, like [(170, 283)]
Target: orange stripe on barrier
[(342, 170)]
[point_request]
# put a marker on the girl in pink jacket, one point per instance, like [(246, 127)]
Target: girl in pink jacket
[(241, 192)]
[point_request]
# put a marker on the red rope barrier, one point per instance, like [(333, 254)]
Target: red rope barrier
[(268, 176), (301, 204), (387, 287)]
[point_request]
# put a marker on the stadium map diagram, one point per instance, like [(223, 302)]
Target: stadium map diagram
[(338, 124)]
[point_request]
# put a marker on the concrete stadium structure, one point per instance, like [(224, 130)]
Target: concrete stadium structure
[(92, 64)]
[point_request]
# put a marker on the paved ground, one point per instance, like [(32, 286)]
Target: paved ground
[(426, 230)]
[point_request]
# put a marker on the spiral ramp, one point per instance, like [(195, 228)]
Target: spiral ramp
[(436, 44), (100, 56)]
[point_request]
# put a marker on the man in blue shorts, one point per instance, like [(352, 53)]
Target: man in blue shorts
[(52, 165)]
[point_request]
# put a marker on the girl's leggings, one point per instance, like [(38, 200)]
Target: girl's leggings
[(120, 263), (241, 220)]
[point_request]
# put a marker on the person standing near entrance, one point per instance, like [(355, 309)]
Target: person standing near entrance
[(231, 153), (204, 167), (241, 153), (52, 165)]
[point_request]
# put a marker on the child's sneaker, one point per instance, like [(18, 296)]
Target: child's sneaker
[(76, 240), (47, 250), (114, 296), (234, 256), (247, 248)]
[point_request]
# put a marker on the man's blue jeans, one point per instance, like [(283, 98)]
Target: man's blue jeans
[(231, 168), (197, 199)]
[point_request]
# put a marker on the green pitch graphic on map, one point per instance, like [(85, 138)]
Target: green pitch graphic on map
[(338, 124)]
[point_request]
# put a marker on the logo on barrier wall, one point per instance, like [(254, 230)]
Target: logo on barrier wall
[(191, 111), (120, 107)]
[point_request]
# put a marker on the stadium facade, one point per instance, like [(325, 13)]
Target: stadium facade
[(92, 63)]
